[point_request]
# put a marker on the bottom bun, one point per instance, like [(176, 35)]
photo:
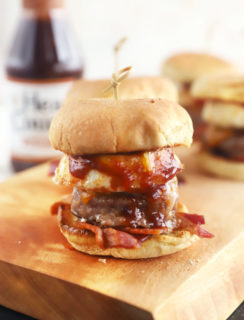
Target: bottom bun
[(221, 167), (156, 246)]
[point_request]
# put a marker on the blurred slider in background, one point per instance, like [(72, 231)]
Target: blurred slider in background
[(42, 64), (184, 69), (132, 88), (223, 142)]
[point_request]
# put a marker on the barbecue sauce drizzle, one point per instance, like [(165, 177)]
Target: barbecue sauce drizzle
[(123, 175)]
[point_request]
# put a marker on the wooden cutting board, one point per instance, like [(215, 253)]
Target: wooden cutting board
[(42, 277)]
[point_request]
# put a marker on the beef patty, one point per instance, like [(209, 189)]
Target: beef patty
[(232, 147), (120, 209)]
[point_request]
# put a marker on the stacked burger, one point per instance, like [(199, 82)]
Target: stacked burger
[(223, 143), (184, 69), (119, 159)]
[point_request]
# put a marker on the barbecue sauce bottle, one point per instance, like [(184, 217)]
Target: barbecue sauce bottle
[(42, 63)]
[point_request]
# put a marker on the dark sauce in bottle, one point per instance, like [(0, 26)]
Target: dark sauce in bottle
[(43, 61)]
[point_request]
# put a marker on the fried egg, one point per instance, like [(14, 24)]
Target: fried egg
[(95, 180)]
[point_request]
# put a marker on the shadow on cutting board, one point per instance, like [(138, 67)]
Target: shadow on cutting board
[(8, 314)]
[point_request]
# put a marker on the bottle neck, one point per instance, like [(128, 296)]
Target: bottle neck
[(41, 8)]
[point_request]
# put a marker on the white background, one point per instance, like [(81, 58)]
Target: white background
[(155, 28)]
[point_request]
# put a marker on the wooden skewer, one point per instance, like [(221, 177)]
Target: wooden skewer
[(117, 78), (117, 49)]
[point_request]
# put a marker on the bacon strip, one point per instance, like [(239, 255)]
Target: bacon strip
[(53, 166), (146, 231), (96, 230), (55, 207), (118, 239), (129, 238), (191, 223), (194, 218), (65, 205), (105, 238), (202, 233)]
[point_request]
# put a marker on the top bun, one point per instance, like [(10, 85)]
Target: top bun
[(93, 126), (225, 88), (186, 67), (132, 88)]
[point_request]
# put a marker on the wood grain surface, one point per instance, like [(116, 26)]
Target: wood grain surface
[(42, 277)]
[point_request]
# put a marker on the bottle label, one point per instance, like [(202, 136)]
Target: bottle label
[(32, 107)]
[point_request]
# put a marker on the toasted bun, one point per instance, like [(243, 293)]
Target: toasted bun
[(132, 88), (110, 126), (187, 67), (221, 167), (221, 87), (156, 246), (224, 114)]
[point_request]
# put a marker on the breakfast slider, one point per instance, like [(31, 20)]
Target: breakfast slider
[(223, 142), (132, 88), (119, 159), (185, 68)]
